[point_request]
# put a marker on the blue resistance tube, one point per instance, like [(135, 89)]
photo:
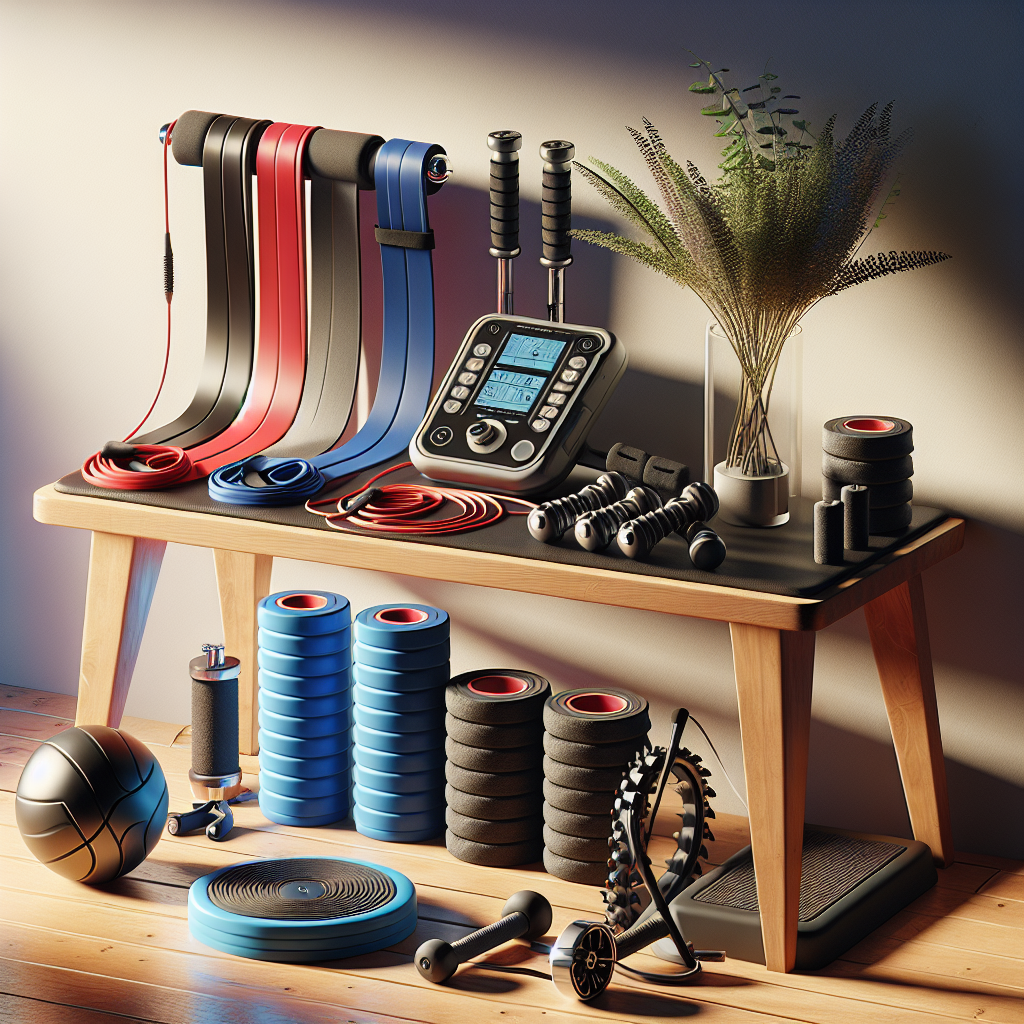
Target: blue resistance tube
[(407, 356)]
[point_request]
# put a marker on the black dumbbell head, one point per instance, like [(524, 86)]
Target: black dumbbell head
[(534, 907)]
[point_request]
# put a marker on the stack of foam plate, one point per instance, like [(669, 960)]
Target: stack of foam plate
[(874, 451), (495, 724), (301, 909), (305, 707), (401, 669), (590, 737)]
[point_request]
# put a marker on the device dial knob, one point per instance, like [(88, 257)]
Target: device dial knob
[(485, 436)]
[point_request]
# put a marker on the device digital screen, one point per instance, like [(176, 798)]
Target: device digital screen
[(533, 353), (511, 391)]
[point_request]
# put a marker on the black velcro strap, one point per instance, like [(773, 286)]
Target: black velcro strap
[(405, 239)]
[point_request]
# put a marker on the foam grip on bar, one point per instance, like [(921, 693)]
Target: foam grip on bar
[(189, 135), (402, 661), (425, 802), (627, 460), (343, 156), (389, 700), (667, 477), (828, 532), (856, 523), (304, 646), (215, 727), (556, 202), (504, 193)]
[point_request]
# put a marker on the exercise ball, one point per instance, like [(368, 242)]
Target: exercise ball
[(91, 803)]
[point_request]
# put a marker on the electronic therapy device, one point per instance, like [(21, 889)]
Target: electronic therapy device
[(514, 409)]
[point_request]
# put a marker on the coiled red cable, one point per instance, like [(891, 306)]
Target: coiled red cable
[(403, 508)]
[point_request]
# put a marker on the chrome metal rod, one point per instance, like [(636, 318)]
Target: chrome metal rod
[(556, 294), (505, 287)]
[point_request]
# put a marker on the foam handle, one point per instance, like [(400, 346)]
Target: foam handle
[(189, 135), (504, 146), (556, 203), (828, 532), (215, 727), (856, 517)]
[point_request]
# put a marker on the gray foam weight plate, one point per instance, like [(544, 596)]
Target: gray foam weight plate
[(879, 496), (593, 780), (592, 755), (493, 855), (477, 830), (584, 872), (476, 759), (579, 801), (613, 727), (839, 440), (493, 808), (575, 847), (850, 471), (888, 520), (493, 737), (587, 826), (489, 709), (492, 784)]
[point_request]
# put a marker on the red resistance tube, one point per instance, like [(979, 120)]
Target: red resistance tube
[(276, 386), (403, 508)]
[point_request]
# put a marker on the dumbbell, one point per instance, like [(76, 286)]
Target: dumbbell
[(697, 503), (549, 521), (526, 915), (596, 530)]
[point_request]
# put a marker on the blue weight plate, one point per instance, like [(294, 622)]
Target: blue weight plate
[(306, 767), (202, 909), (293, 746), (409, 627), (333, 946), (304, 613), (385, 822), (293, 665), (305, 728), (416, 836), (300, 686), (402, 661), (304, 646), (396, 742), (300, 822), (306, 807), (286, 785), (381, 761), (402, 682), (402, 722), (388, 700), (399, 782), (398, 803), (305, 707)]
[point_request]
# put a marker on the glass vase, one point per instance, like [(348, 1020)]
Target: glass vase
[(757, 466)]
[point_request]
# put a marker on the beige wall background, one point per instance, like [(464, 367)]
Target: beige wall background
[(85, 87)]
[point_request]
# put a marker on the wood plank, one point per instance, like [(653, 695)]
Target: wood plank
[(16, 750), (726, 604), (153, 734), (1013, 867), (36, 727), (938, 902), (42, 702), (1005, 886), (898, 627), (25, 1010), (957, 932)]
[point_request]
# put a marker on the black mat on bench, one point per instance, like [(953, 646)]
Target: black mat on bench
[(776, 561)]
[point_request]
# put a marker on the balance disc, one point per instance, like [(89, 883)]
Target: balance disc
[(273, 909)]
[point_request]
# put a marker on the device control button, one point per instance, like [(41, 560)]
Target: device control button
[(540, 425), (569, 376), (452, 406), (468, 378), (474, 364), (549, 412), (556, 399), (460, 392), (441, 436), (482, 350), (587, 344), (494, 328), (578, 362), (485, 436), (522, 450), (565, 388)]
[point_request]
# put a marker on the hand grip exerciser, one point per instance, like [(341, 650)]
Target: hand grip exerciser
[(526, 915), (504, 147), (555, 221)]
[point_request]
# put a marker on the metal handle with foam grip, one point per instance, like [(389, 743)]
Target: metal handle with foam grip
[(556, 220)]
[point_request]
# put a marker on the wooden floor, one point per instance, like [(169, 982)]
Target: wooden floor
[(71, 953)]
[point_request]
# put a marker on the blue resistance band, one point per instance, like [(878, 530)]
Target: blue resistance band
[(407, 355)]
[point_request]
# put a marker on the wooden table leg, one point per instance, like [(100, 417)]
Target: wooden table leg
[(122, 577), (243, 581), (774, 673), (898, 628)]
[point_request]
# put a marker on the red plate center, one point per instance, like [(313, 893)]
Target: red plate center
[(597, 704)]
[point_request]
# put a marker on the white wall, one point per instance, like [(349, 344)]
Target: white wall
[(86, 85)]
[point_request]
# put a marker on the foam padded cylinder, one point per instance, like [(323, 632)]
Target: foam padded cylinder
[(494, 737), (303, 746), (497, 696), (304, 612), (401, 682), (285, 785), (593, 780), (383, 761), (492, 808), (395, 742), (303, 665), (305, 767), (592, 755), (426, 802), (493, 784), (855, 517), (304, 646), (300, 686), (587, 826), (569, 870), (477, 759), (402, 661), (91, 803), (305, 707), (828, 532), (478, 830), (304, 728), (343, 156), (578, 801), (189, 135), (575, 847), (589, 715), (431, 699), (402, 627), (399, 782), (215, 727), (493, 855), (850, 471), (404, 721)]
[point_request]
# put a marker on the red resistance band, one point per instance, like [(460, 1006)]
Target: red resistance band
[(276, 387), (403, 508)]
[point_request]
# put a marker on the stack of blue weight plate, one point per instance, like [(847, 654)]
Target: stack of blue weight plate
[(305, 707), (400, 666)]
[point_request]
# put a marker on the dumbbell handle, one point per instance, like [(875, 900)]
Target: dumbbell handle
[(483, 939)]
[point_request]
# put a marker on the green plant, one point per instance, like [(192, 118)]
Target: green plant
[(779, 231)]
